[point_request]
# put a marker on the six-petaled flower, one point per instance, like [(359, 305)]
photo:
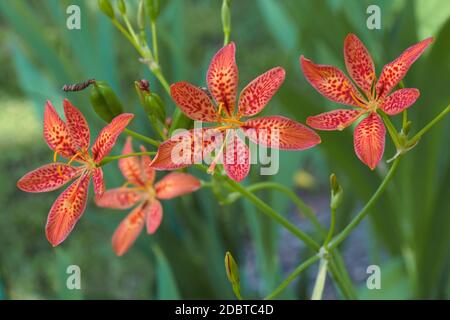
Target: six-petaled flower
[(222, 80), (140, 189), (71, 139), (369, 135)]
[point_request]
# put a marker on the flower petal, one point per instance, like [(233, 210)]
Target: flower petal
[(359, 63), (128, 230), (193, 101), (48, 178), (334, 120), (394, 72), (281, 133), (399, 100), (119, 198), (154, 216), (236, 157), (369, 140), (56, 133), (186, 148), (108, 136), (67, 210), (99, 182), (222, 77), (130, 166), (147, 171), (77, 126), (255, 96), (331, 83), (176, 184)]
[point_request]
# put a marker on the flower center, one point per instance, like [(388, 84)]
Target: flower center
[(372, 105)]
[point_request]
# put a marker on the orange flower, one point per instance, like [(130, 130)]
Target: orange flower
[(71, 140), (222, 79), (141, 176), (369, 135)]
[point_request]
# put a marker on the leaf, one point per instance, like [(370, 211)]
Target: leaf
[(166, 282)]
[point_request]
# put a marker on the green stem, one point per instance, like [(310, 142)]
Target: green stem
[(128, 36), (392, 131), (364, 211), (344, 285), (320, 280), (154, 41), (292, 276), (107, 160), (142, 137), (439, 117), (405, 119), (331, 230)]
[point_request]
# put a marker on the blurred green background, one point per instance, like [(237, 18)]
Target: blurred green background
[(408, 233)]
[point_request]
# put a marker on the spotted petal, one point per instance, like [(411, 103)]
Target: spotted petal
[(281, 133), (77, 126), (67, 210), (331, 83), (222, 77), (147, 171), (130, 166), (359, 63), (99, 182), (369, 138), (394, 72), (176, 184), (154, 216), (255, 96), (334, 120), (119, 198), (49, 177), (193, 101), (128, 230), (399, 100), (108, 136), (236, 158), (187, 148), (56, 133)]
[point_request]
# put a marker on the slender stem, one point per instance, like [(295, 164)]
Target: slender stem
[(292, 276), (429, 125), (142, 137), (405, 118), (133, 154), (128, 36), (265, 208), (154, 41), (345, 286), (391, 129), (320, 280), (332, 224), (364, 211)]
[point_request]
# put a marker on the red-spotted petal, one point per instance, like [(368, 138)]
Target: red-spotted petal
[(119, 198), (187, 148), (108, 136), (193, 101), (222, 77), (67, 210), (399, 100), (176, 184), (154, 216), (128, 230), (49, 177), (56, 133), (99, 182), (281, 133), (394, 72), (359, 63), (147, 171), (77, 126), (334, 120), (331, 83), (255, 96), (369, 140), (236, 157), (130, 166)]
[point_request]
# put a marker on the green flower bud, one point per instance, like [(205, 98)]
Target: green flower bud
[(336, 192), (105, 102), (106, 7), (153, 7), (232, 270), (122, 7), (153, 105)]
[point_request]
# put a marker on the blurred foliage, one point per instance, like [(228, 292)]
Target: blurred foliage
[(409, 230)]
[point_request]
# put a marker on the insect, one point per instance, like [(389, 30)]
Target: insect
[(78, 86)]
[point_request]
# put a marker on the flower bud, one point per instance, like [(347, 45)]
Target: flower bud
[(153, 7), (122, 7), (336, 192), (153, 105), (106, 7), (233, 274), (105, 102)]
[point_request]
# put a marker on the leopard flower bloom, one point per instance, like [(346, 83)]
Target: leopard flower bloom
[(71, 140), (219, 109), (369, 135), (140, 189)]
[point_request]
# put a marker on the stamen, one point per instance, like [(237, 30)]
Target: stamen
[(234, 121), (358, 101), (223, 128)]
